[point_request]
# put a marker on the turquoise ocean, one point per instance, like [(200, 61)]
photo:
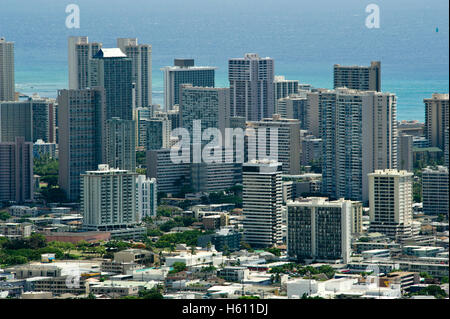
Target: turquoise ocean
[(304, 37)]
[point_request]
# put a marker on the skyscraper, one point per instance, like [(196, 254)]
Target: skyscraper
[(154, 133), (251, 87), (120, 144), (16, 119), (80, 51), (283, 88), (210, 105), (7, 89), (365, 78), (262, 198), (405, 152), (141, 57), (108, 199), (390, 199), (81, 125), (184, 72), (435, 190), (146, 196), (319, 229), (287, 137), (436, 119), (16, 170), (112, 70), (359, 135)]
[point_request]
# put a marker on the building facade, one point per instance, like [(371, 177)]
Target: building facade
[(364, 78), (319, 229), (262, 199), (251, 87)]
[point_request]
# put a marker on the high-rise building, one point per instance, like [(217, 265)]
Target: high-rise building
[(7, 82), (170, 176), (214, 177), (311, 150), (154, 134), (210, 105), (364, 78), (41, 119), (80, 51), (184, 72), (81, 125), (390, 199), (446, 148), (42, 149), (146, 196), (435, 190), (436, 119), (283, 88), (288, 141), (16, 119), (141, 57), (16, 170), (262, 199), (108, 199), (251, 87), (359, 135), (120, 144), (319, 229), (112, 70), (405, 152)]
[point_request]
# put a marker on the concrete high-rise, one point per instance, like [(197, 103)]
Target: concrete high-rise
[(154, 133), (359, 135), (80, 51), (184, 72), (405, 152), (16, 170), (210, 105), (288, 141), (364, 78), (141, 57), (108, 199), (262, 199), (7, 82), (319, 229), (283, 88), (120, 144), (390, 199), (112, 70), (146, 196), (81, 125), (251, 87), (170, 176), (16, 119), (436, 119), (435, 190)]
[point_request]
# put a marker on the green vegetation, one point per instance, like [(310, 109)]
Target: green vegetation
[(140, 157), (4, 215), (417, 192), (22, 251), (248, 297), (47, 169), (274, 250), (188, 237), (166, 211), (432, 290), (178, 221), (303, 270), (178, 267), (230, 196)]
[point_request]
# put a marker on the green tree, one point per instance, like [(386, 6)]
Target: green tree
[(4, 215), (178, 267)]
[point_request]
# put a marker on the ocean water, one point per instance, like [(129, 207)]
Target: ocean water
[(304, 37)]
